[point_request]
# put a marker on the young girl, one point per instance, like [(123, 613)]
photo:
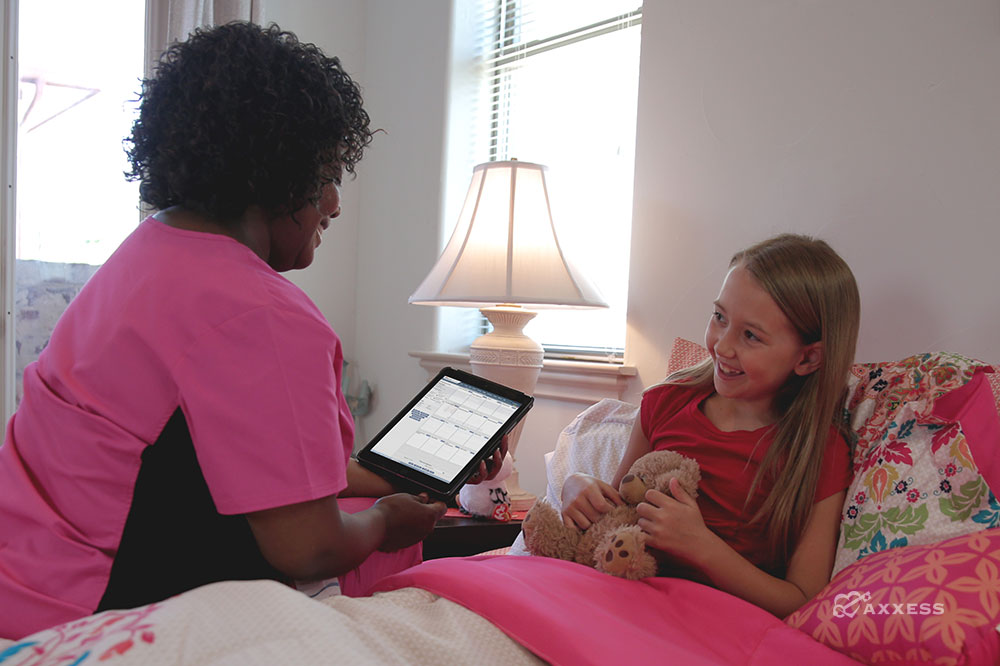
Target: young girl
[(759, 415)]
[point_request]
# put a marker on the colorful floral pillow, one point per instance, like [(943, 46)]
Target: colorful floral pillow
[(936, 603), (919, 427)]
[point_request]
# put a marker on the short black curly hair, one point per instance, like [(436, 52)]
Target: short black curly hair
[(241, 115)]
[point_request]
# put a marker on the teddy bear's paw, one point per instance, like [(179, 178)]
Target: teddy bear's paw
[(623, 553), (546, 535), (541, 513)]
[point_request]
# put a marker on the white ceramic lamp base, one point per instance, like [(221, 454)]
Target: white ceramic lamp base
[(507, 356)]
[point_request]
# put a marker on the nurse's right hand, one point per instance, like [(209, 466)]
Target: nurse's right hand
[(408, 519)]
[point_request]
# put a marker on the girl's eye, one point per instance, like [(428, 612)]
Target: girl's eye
[(716, 315), (750, 336)]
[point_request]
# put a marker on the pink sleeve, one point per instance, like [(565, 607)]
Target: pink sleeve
[(975, 407), (261, 394)]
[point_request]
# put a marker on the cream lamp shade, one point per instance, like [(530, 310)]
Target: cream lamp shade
[(504, 255), (504, 248)]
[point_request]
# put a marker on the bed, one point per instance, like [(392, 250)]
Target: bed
[(916, 580)]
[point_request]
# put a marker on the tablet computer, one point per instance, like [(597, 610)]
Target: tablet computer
[(437, 441)]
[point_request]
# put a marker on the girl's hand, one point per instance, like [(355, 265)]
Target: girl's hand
[(585, 498), (672, 524)]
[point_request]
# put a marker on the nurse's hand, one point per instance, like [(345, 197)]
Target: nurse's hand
[(408, 519)]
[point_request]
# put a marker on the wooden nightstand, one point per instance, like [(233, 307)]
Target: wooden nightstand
[(458, 535)]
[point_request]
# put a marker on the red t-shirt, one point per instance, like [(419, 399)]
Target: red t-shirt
[(671, 418)]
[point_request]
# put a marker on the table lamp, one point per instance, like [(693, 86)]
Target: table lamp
[(504, 257)]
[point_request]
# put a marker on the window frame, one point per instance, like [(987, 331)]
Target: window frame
[(505, 48), (8, 172), (9, 81)]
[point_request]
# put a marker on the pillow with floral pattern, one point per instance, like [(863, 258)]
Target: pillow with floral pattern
[(930, 604), (919, 428)]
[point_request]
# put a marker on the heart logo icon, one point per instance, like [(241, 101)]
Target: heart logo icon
[(846, 605)]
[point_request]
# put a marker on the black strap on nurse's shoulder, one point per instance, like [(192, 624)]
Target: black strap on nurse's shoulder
[(174, 539)]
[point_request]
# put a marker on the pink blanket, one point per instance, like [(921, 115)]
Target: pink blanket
[(570, 614), (378, 565)]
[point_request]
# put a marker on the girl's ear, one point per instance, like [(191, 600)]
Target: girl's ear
[(811, 361)]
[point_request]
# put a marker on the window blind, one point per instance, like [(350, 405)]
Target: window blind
[(558, 82)]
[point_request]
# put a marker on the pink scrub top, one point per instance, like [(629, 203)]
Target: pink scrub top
[(174, 319)]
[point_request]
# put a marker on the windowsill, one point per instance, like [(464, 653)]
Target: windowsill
[(575, 381)]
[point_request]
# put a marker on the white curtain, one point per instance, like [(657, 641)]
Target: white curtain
[(168, 21)]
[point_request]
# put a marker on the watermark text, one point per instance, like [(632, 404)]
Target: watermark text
[(854, 602)]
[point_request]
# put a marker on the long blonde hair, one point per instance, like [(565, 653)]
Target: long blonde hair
[(816, 290)]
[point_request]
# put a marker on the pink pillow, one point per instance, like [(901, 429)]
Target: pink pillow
[(975, 406), (926, 430), (684, 354), (936, 603)]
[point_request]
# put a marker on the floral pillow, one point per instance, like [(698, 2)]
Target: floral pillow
[(919, 426), (936, 603)]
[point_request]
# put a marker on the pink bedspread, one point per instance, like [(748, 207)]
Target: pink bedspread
[(570, 614), (378, 565)]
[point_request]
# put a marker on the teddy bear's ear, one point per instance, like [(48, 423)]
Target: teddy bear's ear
[(688, 486), (690, 476), (632, 489)]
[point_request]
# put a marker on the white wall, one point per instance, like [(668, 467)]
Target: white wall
[(337, 27), (389, 232), (407, 50), (873, 125)]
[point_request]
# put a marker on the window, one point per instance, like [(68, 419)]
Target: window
[(79, 72), (558, 85)]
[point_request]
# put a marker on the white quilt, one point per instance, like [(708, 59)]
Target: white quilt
[(264, 622)]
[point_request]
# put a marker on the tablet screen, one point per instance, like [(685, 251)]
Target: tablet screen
[(446, 428)]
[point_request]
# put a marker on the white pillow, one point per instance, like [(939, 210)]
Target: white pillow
[(593, 443)]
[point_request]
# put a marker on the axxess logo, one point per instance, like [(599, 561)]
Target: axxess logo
[(850, 604)]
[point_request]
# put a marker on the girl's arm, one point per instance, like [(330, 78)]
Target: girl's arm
[(675, 525), (638, 446), (585, 497)]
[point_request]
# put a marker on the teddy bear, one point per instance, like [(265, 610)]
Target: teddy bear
[(614, 544)]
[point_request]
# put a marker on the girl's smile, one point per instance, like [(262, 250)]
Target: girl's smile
[(726, 371), (756, 349)]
